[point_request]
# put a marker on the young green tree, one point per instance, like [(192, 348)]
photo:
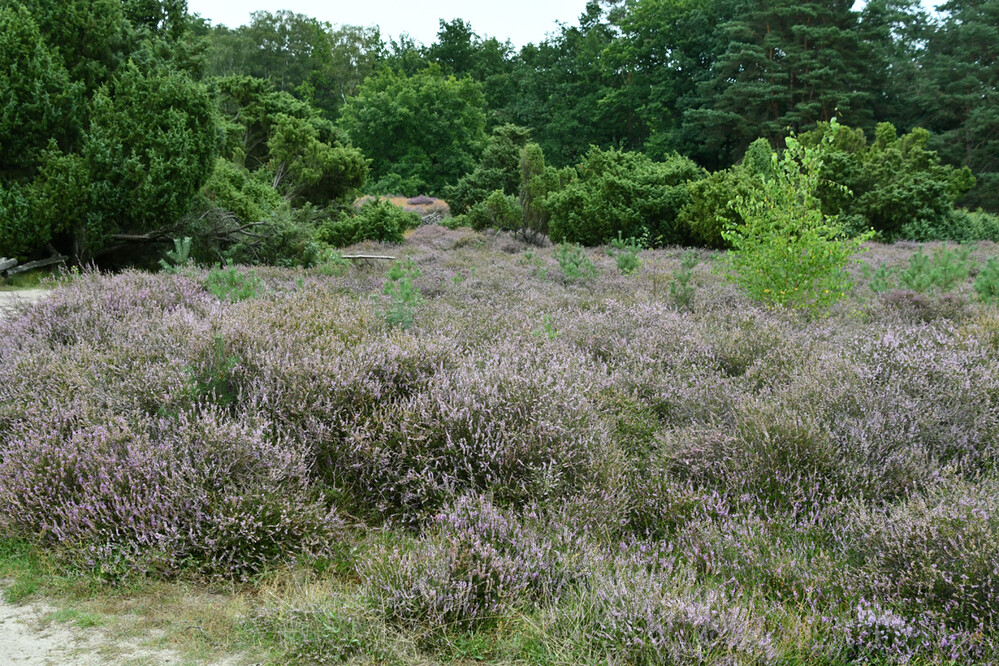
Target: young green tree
[(786, 252)]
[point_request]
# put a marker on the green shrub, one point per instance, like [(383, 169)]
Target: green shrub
[(987, 282), (944, 271), (900, 187), (231, 285), (622, 192), (625, 253), (405, 297), (960, 225), (499, 169), (708, 213), (576, 265), (286, 238), (377, 220), (787, 252), (496, 211)]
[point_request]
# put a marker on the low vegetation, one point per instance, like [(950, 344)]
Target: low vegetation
[(481, 454)]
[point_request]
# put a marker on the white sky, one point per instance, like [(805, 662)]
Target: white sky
[(520, 21)]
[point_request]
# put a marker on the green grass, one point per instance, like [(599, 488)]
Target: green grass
[(30, 280)]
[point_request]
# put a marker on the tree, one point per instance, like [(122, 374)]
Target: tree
[(665, 49), (287, 142), (461, 52), (962, 65), (94, 146), (421, 132), (310, 59), (789, 64), (785, 251), (499, 169), (563, 93)]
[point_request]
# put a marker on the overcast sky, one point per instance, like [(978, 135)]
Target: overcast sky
[(520, 21)]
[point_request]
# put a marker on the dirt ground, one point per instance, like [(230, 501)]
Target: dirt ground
[(9, 299), (30, 635)]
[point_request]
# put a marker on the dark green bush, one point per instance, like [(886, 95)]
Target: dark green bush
[(622, 192), (497, 211), (499, 169), (708, 213), (377, 220), (963, 226), (899, 187)]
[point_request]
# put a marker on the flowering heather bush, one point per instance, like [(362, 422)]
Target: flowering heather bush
[(638, 608), (636, 484), (469, 570)]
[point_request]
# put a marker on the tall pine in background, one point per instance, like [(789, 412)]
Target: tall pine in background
[(962, 106), (788, 65)]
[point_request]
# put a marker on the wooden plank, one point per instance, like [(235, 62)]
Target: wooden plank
[(41, 263)]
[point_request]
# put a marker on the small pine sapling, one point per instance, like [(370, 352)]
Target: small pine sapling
[(405, 297)]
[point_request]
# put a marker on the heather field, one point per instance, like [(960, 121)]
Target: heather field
[(519, 467)]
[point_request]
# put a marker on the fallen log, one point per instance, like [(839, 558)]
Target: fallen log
[(6, 263), (41, 263), (366, 256)]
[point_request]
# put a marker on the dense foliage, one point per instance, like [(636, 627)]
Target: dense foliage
[(615, 192), (94, 144), (306, 108), (422, 132)]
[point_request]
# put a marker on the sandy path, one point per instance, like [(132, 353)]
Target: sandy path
[(27, 638), (10, 299)]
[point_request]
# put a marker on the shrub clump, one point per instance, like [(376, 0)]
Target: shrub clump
[(470, 570), (622, 192), (377, 220), (157, 496)]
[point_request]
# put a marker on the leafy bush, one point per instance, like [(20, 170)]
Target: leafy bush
[(708, 214), (622, 192), (960, 225), (787, 252), (248, 195), (900, 188), (498, 169), (377, 220), (496, 211), (423, 130)]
